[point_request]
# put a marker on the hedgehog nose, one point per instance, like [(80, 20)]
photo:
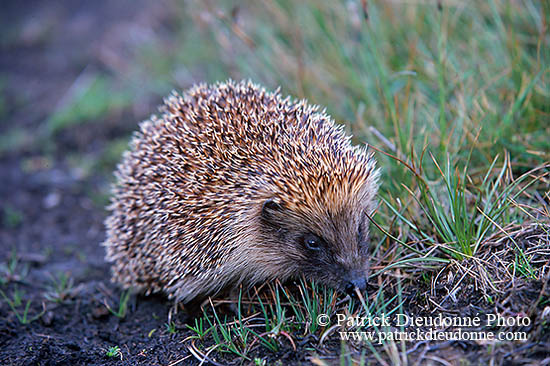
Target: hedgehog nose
[(359, 282)]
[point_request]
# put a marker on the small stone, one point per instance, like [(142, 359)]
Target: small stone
[(100, 312), (52, 200), (47, 318)]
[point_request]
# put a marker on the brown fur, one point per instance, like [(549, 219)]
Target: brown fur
[(223, 188)]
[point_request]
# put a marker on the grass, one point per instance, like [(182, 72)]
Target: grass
[(15, 303), (122, 309), (275, 318), (113, 351), (461, 216), (12, 270), (60, 288), (455, 99), (12, 217), (198, 328), (91, 96), (171, 327)]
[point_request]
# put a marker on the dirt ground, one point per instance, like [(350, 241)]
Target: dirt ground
[(52, 225), (58, 228)]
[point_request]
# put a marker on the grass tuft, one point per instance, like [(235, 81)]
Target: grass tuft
[(15, 302), (122, 309)]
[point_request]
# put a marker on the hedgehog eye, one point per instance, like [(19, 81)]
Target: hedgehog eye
[(312, 242)]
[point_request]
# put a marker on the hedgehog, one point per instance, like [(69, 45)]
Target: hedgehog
[(232, 185)]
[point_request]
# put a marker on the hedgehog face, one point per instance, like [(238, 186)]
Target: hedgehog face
[(327, 246)]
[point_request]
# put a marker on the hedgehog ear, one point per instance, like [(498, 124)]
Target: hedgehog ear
[(269, 207)]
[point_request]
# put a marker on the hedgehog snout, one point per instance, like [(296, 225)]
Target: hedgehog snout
[(356, 279), (359, 283)]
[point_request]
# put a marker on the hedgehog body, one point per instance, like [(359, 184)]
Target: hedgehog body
[(233, 185)]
